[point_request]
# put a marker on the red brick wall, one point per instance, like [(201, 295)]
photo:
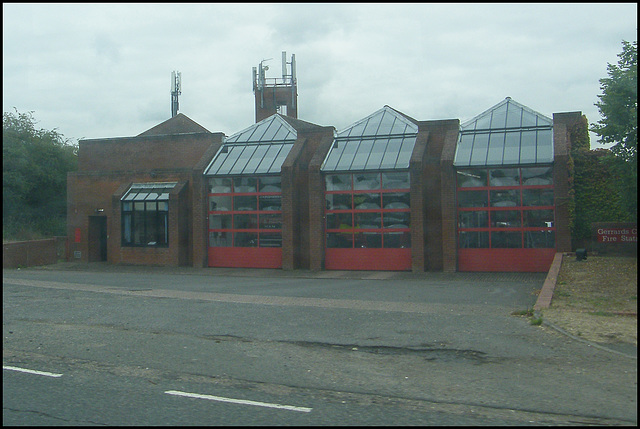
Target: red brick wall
[(562, 124), (107, 167), (144, 153), (317, 202), (296, 237), (448, 202), (418, 198), (33, 252), (432, 177), (273, 96), (199, 212)]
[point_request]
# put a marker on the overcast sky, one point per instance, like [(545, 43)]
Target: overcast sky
[(104, 70)]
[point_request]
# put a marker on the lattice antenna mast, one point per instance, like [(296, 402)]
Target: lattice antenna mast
[(176, 90)]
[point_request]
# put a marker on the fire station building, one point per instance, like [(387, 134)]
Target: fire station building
[(388, 192)]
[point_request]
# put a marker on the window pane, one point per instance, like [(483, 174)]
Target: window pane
[(390, 158), (338, 201), (270, 184), (368, 240), (362, 155), (480, 148), (138, 225), (537, 197), (505, 218), (163, 228), (377, 152), (269, 202), (245, 239), (347, 155), (219, 239), (127, 207), (244, 184), (126, 228), (368, 220), (396, 219), (474, 239), (271, 221), (472, 178), (219, 221), (505, 198), (151, 226), (473, 199), (544, 146), (366, 201), (252, 165), (395, 180), (504, 177), (404, 156), (362, 182), (537, 176), (245, 202), (496, 147), (475, 219), (511, 149), (463, 151), (339, 240), (338, 182), (538, 218), (539, 239), (220, 203), (397, 240), (396, 200), (339, 220), (271, 239), (528, 147), (245, 221), (511, 240)]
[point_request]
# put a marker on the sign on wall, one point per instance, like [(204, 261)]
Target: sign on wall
[(614, 237), (617, 235)]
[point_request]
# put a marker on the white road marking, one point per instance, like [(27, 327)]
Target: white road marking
[(239, 401), (31, 371)]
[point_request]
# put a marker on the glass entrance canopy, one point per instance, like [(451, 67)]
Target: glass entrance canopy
[(259, 149), (507, 134), (153, 191), (381, 141)]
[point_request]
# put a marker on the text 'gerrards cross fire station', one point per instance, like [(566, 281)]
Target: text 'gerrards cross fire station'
[(389, 192)]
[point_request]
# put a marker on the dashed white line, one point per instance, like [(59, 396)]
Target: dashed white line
[(239, 401), (31, 371)]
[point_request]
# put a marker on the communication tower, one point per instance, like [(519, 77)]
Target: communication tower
[(176, 89), (275, 95)]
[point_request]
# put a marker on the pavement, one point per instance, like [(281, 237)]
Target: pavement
[(543, 300), (440, 336)]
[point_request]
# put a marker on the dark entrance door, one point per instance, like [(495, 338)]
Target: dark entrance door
[(97, 238)]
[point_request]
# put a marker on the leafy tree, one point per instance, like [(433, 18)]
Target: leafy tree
[(618, 107), (35, 163)]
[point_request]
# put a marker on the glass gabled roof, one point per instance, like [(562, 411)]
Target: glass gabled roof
[(507, 134), (151, 191), (259, 149), (381, 141)]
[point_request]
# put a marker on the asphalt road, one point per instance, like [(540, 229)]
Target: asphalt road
[(219, 347)]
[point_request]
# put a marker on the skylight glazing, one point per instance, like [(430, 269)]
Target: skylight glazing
[(259, 149), (154, 191), (507, 134), (381, 141)]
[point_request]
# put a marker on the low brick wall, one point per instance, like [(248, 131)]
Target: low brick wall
[(34, 252)]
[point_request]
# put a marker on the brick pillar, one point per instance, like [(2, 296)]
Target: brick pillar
[(448, 202), (562, 124)]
